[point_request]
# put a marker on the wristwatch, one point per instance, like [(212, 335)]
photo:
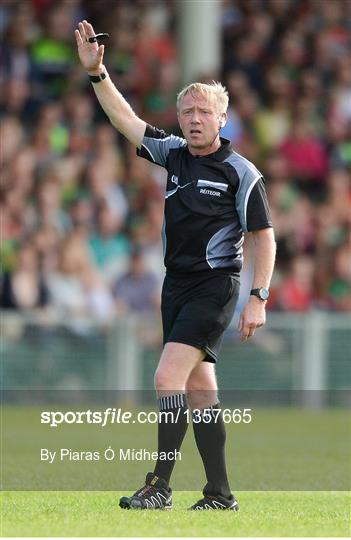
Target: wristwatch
[(261, 293), (97, 78)]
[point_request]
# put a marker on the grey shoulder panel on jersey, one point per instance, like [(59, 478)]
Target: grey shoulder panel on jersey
[(158, 149), (248, 176)]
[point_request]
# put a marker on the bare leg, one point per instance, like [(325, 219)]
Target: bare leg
[(175, 366), (201, 386)]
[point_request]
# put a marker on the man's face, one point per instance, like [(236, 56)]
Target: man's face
[(199, 120)]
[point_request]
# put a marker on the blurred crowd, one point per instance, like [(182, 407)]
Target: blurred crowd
[(81, 215)]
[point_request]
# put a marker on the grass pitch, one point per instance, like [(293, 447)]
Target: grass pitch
[(63, 514)]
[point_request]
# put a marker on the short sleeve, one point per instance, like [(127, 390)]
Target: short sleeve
[(157, 144), (258, 215), (249, 176)]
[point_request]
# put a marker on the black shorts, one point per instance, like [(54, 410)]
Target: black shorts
[(197, 310)]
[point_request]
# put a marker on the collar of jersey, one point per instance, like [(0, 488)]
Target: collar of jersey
[(221, 154)]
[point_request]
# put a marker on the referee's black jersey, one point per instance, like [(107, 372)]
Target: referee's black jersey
[(210, 202)]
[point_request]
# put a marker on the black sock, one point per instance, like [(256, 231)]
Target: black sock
[(171, 431), (209, 431)]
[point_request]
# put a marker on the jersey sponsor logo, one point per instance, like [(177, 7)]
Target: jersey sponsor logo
[(205, 191)]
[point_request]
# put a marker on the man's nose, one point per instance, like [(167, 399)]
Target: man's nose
[(195, 118)]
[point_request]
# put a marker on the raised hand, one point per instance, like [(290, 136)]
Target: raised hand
[(90, 54)]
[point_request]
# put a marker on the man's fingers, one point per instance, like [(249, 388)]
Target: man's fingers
[(247, 331), (101, 51), (244, 336), (89, 30), (78, 37), (241, 322), (244, 330), (251, 332), (82, 31)]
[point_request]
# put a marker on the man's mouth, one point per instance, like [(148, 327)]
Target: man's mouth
[(195, 132)]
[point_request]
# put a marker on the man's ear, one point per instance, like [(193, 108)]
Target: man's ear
[(223, 120)]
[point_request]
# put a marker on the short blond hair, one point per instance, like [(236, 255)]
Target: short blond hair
[(215, 89)]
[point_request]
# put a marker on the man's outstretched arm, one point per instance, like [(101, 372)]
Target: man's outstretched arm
[(120, 113)]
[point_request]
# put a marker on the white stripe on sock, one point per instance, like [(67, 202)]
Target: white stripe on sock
[(174, 401)]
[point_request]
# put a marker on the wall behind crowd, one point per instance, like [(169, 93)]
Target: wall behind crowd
[(81, 214)]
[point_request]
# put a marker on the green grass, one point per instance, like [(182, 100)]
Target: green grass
[(97, 514)]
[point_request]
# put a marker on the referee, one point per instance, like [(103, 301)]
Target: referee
[(213, 196)]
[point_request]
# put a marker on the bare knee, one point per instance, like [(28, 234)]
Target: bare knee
[(201, 387), (200, 399), (164, 381), (176, 363)]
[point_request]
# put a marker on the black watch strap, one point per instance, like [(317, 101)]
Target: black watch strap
[(261, 293), (97, 78)]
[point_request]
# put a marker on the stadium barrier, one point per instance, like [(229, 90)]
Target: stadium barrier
[(307, 352)]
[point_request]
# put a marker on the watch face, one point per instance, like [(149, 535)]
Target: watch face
[(264, 294)]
